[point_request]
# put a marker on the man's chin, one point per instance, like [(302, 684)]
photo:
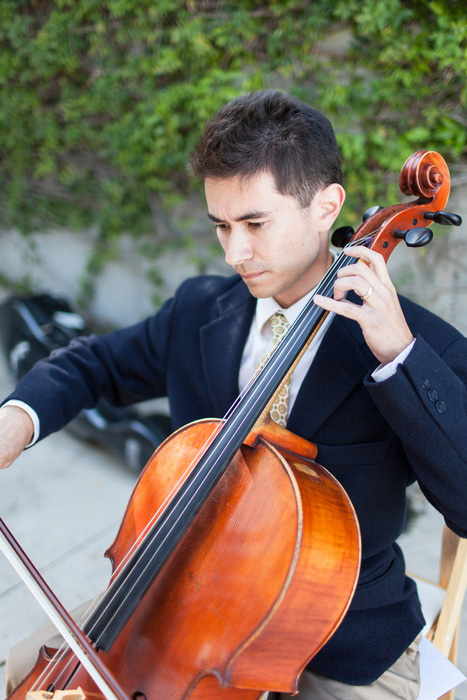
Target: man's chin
[(259, 291)]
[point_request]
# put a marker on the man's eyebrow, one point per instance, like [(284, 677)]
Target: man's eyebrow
[(243, 217)]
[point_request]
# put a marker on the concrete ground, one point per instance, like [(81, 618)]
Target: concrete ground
[(64, 500)]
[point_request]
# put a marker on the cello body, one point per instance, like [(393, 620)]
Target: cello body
[(255, 587)]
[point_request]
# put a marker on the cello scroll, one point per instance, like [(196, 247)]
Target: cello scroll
[(424, 175)]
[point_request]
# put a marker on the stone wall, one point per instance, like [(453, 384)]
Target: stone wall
[(435, 276), (56, 261)]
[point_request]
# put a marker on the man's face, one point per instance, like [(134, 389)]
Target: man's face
[(278, 247)]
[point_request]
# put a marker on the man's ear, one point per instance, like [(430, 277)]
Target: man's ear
[(331, 199)]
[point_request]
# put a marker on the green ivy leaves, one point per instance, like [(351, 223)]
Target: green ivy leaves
[(101, 101)]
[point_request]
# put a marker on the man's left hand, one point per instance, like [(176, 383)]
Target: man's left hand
[(380, 316)]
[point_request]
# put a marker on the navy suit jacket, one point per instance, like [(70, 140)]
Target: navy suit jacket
[(374, 437)]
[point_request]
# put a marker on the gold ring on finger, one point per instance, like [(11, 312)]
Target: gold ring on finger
[(370, 291)]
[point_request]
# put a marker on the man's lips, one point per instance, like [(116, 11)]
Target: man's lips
[(251, 275)]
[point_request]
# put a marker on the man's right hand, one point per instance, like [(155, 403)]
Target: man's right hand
[(16, 432)]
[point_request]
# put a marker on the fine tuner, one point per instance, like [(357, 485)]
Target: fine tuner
[(414, 238)]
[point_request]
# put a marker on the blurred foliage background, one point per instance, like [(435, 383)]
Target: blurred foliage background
[(101, 101)]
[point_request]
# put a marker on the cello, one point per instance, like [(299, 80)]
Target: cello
[(238, 554)]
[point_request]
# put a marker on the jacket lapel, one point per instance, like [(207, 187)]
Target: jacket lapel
[(341, 363), (222, 342)]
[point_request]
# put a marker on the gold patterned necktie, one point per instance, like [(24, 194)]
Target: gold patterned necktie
[(279, 325)]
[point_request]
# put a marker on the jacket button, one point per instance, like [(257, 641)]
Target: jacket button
[(440, 406), (432, 395), (424, 382)]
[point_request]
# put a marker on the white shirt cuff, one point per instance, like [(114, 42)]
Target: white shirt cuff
[(32, 415), (385, 371)]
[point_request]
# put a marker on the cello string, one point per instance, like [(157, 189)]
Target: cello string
[(47, 674), (324, 288), (219, 457)]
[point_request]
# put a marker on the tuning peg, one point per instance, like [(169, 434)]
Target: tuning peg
[(415, 237), (369, 212), (444, 218), (341, 236)]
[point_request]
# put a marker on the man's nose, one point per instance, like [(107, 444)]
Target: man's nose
[(238, 249)]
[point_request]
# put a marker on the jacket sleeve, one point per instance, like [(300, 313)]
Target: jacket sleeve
[(425, 403)]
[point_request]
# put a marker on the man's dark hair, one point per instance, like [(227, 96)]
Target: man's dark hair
[(268, 131)]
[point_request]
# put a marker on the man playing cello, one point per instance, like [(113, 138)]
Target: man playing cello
[(381, 390)]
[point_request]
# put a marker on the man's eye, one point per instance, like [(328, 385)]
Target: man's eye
[(255, 224), (222, 227)]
